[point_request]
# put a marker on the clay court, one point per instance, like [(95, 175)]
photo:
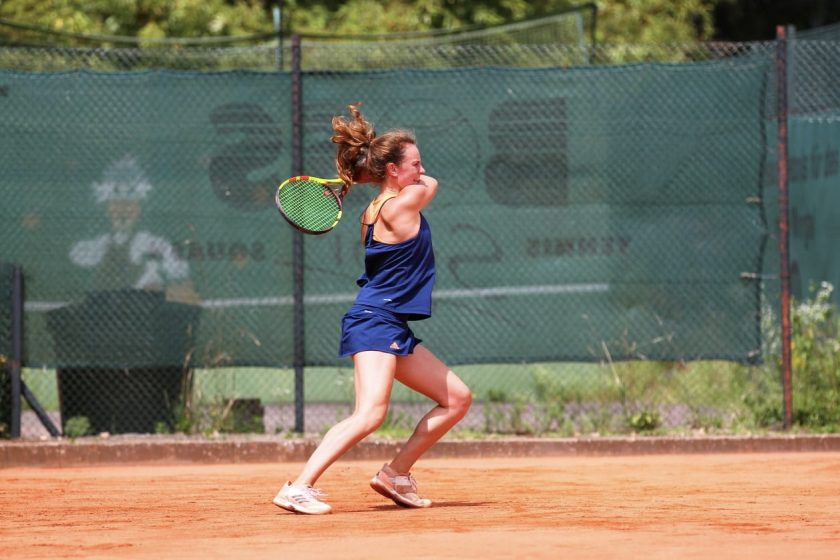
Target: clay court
[(732, 505)]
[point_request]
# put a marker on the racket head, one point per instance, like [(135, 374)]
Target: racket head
[(310, 204)]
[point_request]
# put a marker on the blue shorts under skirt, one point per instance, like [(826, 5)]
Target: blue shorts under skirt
[(369, 328)]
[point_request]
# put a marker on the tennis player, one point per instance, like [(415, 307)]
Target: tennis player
[(395, 288)]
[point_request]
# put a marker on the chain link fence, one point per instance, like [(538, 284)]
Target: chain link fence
[(605, 230)]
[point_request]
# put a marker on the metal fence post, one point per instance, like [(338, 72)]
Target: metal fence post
[(784, 234), (297, 238), (17, 350)]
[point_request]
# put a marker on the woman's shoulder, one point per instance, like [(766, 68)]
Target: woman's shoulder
[(397, 207)]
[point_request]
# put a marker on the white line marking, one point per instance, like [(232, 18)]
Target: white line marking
[(327, 299)]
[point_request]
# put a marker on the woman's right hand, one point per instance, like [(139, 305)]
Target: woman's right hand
[(428, 181)]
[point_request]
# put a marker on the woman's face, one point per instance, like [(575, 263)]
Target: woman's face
[(410, 168)]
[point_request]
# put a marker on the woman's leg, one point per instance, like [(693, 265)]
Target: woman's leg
[(374, 377), (423, 372)]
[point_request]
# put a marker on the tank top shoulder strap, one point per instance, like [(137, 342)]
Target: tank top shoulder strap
[(372, 210)]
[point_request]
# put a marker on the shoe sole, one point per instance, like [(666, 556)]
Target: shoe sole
[(289, 506), (384, 490)]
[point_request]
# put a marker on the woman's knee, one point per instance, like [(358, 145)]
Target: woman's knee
[(369, 419), (460, 399)]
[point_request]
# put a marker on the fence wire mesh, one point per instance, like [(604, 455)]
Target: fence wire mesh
[(605, 230)]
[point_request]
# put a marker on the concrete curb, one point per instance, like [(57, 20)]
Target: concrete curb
[(164, 450)]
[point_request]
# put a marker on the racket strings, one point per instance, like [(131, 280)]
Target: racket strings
[(310, 205)]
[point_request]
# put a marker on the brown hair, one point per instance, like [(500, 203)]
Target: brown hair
[(363, 154)]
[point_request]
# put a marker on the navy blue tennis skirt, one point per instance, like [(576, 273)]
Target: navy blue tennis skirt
[(370, 328)]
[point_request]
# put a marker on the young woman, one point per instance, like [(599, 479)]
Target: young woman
[(396, 287)]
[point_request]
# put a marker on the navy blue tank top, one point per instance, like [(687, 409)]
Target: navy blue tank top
[(399, 277)]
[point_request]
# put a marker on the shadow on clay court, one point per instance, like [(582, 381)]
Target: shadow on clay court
[(436, 505)]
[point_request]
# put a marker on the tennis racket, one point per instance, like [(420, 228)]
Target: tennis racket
[(310, 204)]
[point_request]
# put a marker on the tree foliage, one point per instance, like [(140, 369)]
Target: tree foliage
[(618, 21), (756, 20), (142, 19)]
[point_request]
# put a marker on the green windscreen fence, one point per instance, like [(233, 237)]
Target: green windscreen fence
[(815, 203), (813, 167), (814, 198), (583, 214)]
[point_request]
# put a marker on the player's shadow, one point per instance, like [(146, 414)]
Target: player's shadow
[(436, 505)]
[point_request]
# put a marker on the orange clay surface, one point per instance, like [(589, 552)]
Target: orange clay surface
[(763, 506)]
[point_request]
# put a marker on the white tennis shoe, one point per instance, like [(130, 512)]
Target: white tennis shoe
[(402, 488), (301, 499)]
